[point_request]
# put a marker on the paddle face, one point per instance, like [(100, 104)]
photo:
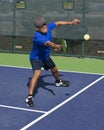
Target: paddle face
[(64, 45)]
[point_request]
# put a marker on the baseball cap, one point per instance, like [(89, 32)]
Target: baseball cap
[(39, 22)]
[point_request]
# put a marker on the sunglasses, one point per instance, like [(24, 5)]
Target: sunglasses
[(44, 25)]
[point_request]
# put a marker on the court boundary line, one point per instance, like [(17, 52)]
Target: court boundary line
[(23, 109), (19, 67), (61, 104)]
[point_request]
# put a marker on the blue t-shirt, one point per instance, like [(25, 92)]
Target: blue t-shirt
[(39, 51)]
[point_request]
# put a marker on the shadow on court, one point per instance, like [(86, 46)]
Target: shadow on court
[(41, 83)]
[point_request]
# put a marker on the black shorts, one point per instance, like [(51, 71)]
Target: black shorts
[(38, 64)]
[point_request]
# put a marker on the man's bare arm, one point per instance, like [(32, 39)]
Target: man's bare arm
[(53, 45), (73, 22)]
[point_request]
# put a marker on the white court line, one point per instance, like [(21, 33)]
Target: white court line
[(61, 104), (23, 109), (18, 67)]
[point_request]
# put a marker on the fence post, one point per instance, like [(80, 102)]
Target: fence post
[(83, 49), (13, 44)]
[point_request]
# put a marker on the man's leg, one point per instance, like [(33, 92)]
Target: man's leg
[(32, 86), (36, 66), (34, 81), (55, 73), (58, 81), (49, 64)]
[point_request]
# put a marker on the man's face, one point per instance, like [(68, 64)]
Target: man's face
[(43, 29)]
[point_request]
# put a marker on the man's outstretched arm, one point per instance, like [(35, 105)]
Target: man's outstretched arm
[(73, 22)]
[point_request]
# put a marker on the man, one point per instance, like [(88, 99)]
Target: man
[(40, 54)]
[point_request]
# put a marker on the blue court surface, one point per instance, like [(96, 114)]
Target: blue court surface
[(77, 107)]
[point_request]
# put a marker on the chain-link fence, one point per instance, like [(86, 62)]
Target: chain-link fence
[(17, 28)]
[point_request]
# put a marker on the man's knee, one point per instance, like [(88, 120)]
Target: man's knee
[(54, 70), (37, 73)]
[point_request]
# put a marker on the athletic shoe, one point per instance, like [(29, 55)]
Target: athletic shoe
[(29, 101), (62, 83)]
